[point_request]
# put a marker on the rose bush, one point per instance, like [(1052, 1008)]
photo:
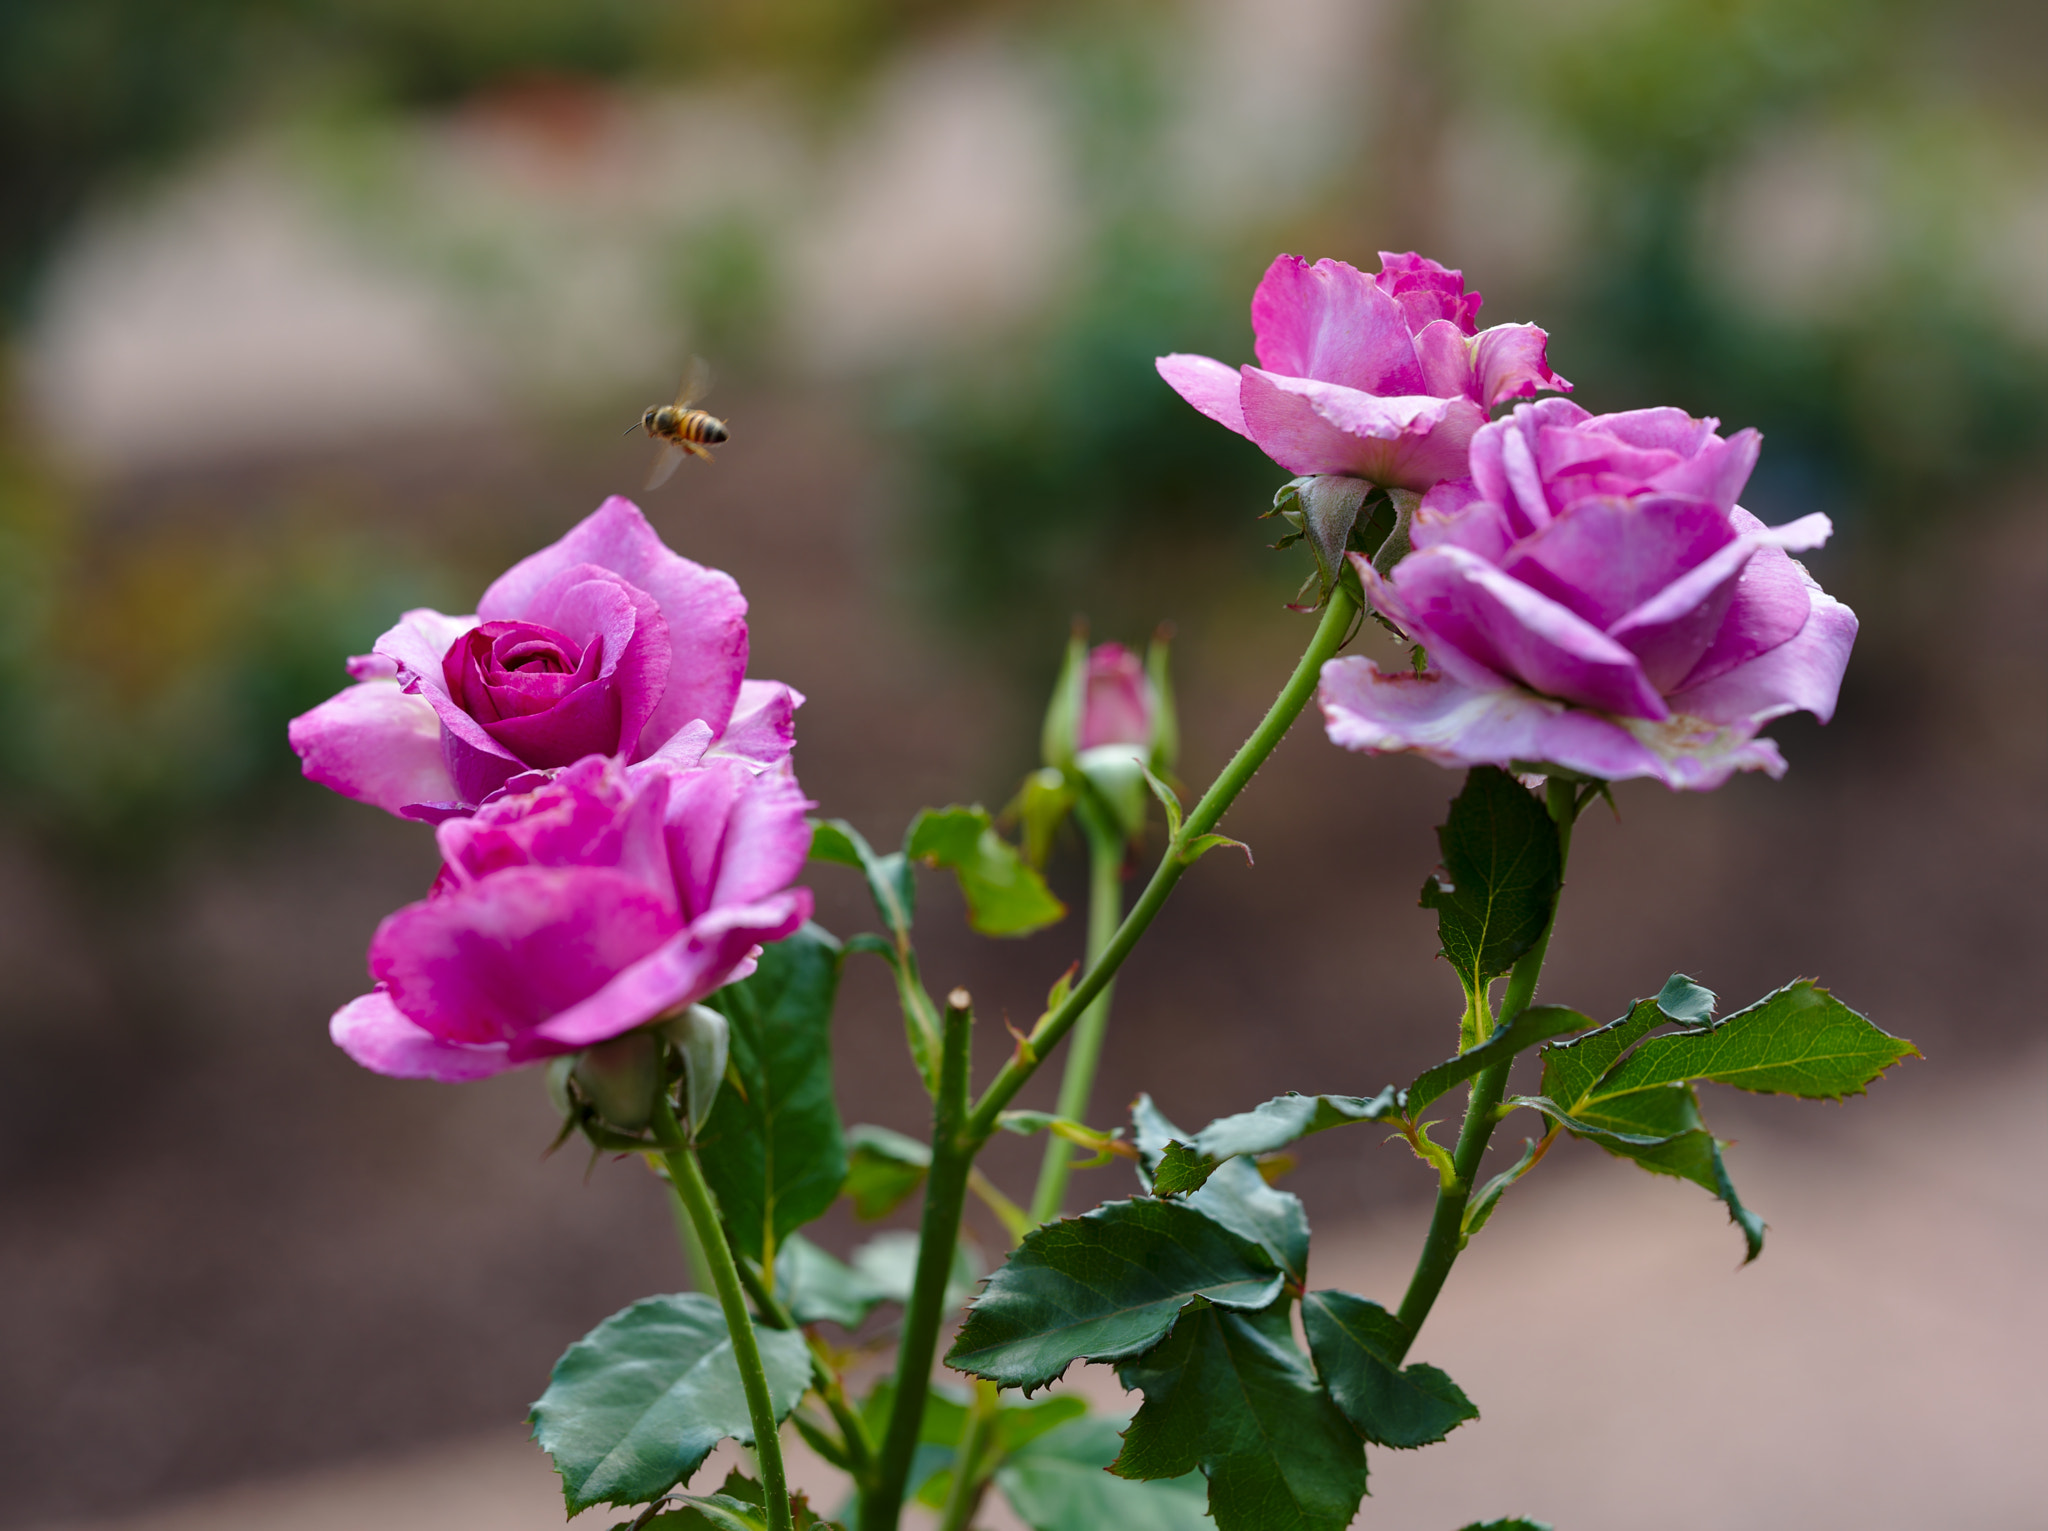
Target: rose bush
[(568, 915), (1377, 377), (1592, 597), (605, 643)]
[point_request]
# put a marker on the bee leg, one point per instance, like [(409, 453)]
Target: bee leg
[(696, 451)]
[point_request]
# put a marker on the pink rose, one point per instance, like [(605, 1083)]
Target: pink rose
[(1593, 598), (1381, 377), (605, 643), (568, 915), (1118, 705)]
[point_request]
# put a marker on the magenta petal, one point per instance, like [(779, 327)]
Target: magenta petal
[(1718, 471), (763, 726), (1456, 724), (715, 951), (1331, 322), (585, 722), (490, 961), (1802, 674), (1511, 361), (684, 748), (766, 840), (419, 644), (374, 743), (1606, 555), (1207, 384), (1445, 356), (1670, 630), (1402, 443), (372, 1031), (1771, 604), (1455, 597), (704, 610), (700, 811), (1660, 429)]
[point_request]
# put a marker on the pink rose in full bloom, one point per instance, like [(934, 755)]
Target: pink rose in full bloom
[(605, 643), (1382, 377), (1593, 598), (568, 915)]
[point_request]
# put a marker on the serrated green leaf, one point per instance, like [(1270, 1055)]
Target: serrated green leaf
[(889, 881), (773, 1149), (1502, 868), (1356, 1345), (1512, 1523), (1799, 1041), (1232, 1193), (1105, 1287), (635, 1406), (818, 1288), (1185, 1166), (1061, 1482), (889, 1262), (1230, 1394), (1537, 1023), (883, 1169), (1005, 897)]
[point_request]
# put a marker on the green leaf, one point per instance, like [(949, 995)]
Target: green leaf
[(1232, 1193), (818, 1288), (1537, 1023), (1039, 809), (1016, 1425), (1502, 868), (889, 1262), (889, 881), (1512, 1523), (883, 1168), (1060, 1482), (1278, 1122), (1686, 1001), (1105, 1287), (636, 1405), (1230, 1394), (1800, 1041), (773, 1149), (1005, 897), (1356, 1345)]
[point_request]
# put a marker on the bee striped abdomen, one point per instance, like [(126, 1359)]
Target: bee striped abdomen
[(693, 425)]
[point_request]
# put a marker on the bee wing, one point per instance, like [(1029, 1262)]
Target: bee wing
[(666, 460), (697, 382)]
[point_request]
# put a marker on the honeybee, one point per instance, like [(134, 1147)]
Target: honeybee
[(681, 427)]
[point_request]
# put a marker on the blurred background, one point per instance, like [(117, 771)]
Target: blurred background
[(312, 310)]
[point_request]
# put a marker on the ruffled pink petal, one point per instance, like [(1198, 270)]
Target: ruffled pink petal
[(684, 748), (1772, 600), (1802, 674), (700, 811), (418, 645), (1207, 384), (763, 726), (1444, 353), (1427, 291), (637, 653), (705, 612), (1504, 468), (1660, 429), (716, 950), (1718, 471), (373, 1032), (1512, 361), (1670, 630), (1331, 322), (1454, 723), (371, 667), (374, 743), (767, 839), (1402, 443), (1606, 555), (491, 961), (1384, 596), (1453, 596)]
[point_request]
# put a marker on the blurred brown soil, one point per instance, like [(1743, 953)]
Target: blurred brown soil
[(230, 1254)]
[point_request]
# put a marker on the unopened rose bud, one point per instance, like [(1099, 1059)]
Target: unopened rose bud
[(703, 1037), (1111, 720)]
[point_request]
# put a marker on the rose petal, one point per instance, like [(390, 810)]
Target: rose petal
[(767, 839), (1453, 596), (373, 1032), (1512, 361), (1207, 384), (1717, 471), (1402, 443), (763, 726), (489, 962), (1332, 323), (1605, 556), (716, 950), (1802, 674), (374, 743), (704, 610), (1772, 600), (1669, 631)]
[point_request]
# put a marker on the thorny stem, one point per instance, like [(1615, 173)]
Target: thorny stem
[(856, 1443), (1084, 1053), (1330, 634), (687, 1177), (1446, 1237), (945, 1196)]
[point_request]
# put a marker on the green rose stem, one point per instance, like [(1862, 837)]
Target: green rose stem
[(944, 1198), (1446, 1236), (960, 1133), (964, 1497), (687, 1177), (1105, 913)]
